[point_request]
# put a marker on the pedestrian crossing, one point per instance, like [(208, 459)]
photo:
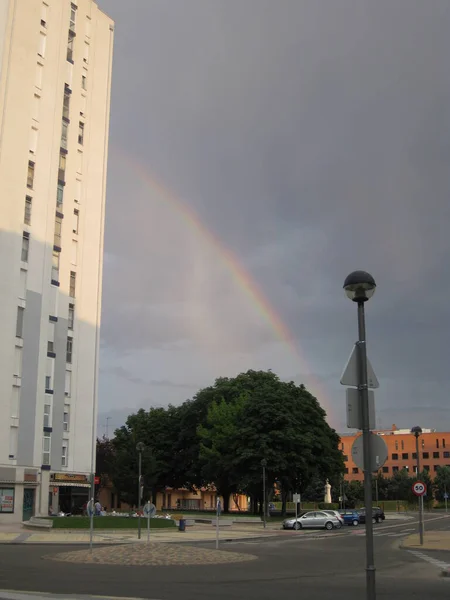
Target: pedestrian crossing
[(381, 533)]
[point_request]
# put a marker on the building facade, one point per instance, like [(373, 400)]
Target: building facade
[(434, 452), (55, 81)]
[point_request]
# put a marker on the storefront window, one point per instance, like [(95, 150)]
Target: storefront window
[(6, 500)]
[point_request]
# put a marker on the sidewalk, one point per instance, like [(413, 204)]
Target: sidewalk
[(433, 540), (197, 533)]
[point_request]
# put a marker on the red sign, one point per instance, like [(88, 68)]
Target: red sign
[(419, 488), (96, 480)]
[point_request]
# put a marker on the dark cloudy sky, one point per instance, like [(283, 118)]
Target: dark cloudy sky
[(312, 138)]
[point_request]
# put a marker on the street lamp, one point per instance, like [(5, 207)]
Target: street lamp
[(140, 447), (417, 431), (360, 287), (264, 465)]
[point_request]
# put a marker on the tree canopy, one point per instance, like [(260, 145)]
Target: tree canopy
[(220, 436)]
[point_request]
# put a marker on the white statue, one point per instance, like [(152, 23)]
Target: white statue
[(327, 498)]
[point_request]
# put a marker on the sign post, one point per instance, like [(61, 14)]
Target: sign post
[(445, 497), (218, 511), (90, 511), (297, 499), (420, 489), (149, 511)]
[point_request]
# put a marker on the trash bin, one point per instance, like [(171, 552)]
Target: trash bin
[(182, 525)]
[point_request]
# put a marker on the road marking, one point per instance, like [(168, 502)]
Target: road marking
[(433, 561)]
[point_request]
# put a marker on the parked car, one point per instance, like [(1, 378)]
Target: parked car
[(335, 513), (377, 515), (313, 520), (350, 516)]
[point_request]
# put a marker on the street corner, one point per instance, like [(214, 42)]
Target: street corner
[(433, 540)]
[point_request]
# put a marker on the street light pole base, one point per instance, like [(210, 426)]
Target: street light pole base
[(370, 583)]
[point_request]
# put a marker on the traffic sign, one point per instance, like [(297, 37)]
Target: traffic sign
[(350, 376), (296, 498), (354, 412), (419, 488), (149, 509), (445, 496), (378, 452)]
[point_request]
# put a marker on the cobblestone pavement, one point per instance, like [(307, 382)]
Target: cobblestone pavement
[(152, 554)]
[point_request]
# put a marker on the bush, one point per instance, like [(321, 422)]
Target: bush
[(328, 506), (109, 523)]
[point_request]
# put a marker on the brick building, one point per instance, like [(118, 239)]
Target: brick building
[(434, 452)]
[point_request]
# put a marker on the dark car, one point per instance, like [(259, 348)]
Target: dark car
[(377, 515), (350, 516)]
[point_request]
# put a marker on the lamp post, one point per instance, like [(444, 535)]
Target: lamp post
[(417, 431), (140, 447), (264, 465), (360, 287)]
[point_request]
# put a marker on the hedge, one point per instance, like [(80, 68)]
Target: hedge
[(110, 523)]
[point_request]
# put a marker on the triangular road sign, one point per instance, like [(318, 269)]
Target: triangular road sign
[(350, 374)]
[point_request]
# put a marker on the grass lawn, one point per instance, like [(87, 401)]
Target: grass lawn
[(109, 523)]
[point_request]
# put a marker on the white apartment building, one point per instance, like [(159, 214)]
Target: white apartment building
[(55, 82)]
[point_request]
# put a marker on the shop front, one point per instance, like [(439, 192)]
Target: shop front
[(17, 494), (68, 493)]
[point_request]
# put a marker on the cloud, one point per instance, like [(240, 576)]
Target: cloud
[(310, 139)]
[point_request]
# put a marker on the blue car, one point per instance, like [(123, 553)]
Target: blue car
[(350, 516)]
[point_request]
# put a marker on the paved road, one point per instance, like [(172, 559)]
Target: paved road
[(320, 567)]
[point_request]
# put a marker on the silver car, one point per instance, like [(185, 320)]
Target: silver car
[(313, 520)]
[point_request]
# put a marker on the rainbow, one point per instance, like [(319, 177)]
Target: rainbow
[(237, 271)]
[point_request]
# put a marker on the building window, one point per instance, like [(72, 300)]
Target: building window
[(346, 471), (425, 455), (25, 246), (437, 443), (405, 456), (68, 384), (395, 469), (83, 82), (446, 454), (355, 470), (55, 265), (395, 456), (44, 8), (47, 409), (76, 220), (423, 443), (66, 104), (7, 500), (73, 16), (58, 231), (385, 469), (72, 286), (64, 453), (59, 196), (66, 416), (27, 214), (46, 448), (345, 457), (50, 346), (403, 444), (19, 321), (62, 167), (435, 454), (42, 44), (81, 132), (426, 467), (70, 41), (71, 317), (435, 468), (48, 382), (64, 135), (443, 442), (30, 174), (414, 455), (69, 349), (86, 52), (396, 444)]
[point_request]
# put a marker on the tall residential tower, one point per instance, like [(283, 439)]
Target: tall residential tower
[(55, 82)]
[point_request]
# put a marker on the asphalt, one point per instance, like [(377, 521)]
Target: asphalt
[(320, 566)]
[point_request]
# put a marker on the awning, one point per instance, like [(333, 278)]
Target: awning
[(53, 484)]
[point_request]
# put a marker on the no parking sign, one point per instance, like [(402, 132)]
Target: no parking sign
[(419, 488)]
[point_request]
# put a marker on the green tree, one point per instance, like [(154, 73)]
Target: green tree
[(442, 483), (104, 460), (256, 416)]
